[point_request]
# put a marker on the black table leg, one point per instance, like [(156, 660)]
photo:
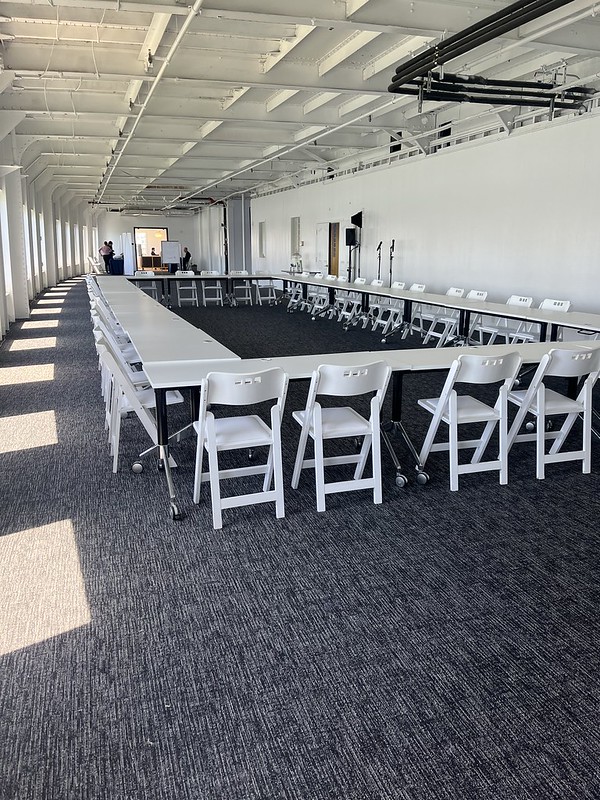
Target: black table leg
[(162, 426)]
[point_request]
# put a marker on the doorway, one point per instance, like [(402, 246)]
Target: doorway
[(148, 246)]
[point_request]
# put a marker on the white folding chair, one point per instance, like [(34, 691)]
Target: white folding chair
[(352, 304), (454, 410), (321, 305), (364, 317), (265, 291), (216, 435), (312, 293), (529, 332), (296, 294), (445, 317), (241, 290), (542, 402), (149, 287), (501, 327), (342, 422), (397, 324), (187, 291), (212, 291), (125, 397), (385, 312)]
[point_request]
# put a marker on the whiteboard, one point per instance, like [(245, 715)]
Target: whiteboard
[(170, 252)]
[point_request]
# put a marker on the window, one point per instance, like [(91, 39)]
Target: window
[(294, 236), (262, 239)]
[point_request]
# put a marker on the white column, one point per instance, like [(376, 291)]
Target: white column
[(49, 238), (16, 243)]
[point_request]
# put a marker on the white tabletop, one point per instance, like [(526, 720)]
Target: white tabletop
[(569, 319), (189, 373)]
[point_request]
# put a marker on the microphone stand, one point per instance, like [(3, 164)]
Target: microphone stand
[(392, 247), (379, 261)]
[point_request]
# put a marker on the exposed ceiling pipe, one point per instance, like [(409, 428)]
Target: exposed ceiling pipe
[(193, 12), (491, 27)]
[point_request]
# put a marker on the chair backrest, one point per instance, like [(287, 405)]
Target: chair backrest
[(342, 278), (331, 277), (318, 275), (376, 282), (209, 272), (147, 272), (227, 388), (417, 287), (360, 281), (185, 273), (453, 291), (555, 305), (487, 368), (574, 363), (477, 294), (519, 300), (398, 285), (304, 273), (337, 381)]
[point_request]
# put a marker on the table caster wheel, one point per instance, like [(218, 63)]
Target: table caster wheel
[(383, 341), (175, 512), (251, 455), (401, 481), (160, 465), (530, 426), (422, 478), (137, 467)]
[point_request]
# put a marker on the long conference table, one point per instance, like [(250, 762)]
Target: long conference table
[(549, 321), (176, 355), (227, 281)]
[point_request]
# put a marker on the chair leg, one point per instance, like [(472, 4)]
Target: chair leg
[(198, 469), (278, 473), (376, 462), (362, 459), (503, 435), (213, 472), (319, 461), (453, 442), (540, 435), (300, 454)]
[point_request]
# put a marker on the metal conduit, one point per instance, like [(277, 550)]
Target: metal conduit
[(193, 12), (484, 31)]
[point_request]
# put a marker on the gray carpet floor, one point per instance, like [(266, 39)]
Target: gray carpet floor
[(438, 647)]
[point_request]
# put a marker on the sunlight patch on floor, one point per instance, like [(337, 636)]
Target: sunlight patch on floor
[(33, 344), (40, 323), (51, 300), (26, 431), (10, 376), (42, 593), (46, 310)]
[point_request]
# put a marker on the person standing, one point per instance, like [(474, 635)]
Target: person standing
[(106, 252), (110, 257), (187, 257)]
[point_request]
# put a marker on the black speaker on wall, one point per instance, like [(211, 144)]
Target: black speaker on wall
[(350, 237), (356, 219)]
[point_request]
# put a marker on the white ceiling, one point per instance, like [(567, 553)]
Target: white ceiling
[(244, 95)]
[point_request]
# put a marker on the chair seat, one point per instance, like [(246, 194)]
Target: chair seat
[(147, 399), (555, 403), (338, 423), (233, 433), (468, 408)]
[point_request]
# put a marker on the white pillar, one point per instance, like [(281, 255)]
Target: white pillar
[(16, 243)]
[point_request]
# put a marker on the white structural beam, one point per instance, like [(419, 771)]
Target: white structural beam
[(352, 6), (302, 31), (355, 103), (235, 95), (309, 133), (346, 49), (318, 100), (279, 98), (390, 58)]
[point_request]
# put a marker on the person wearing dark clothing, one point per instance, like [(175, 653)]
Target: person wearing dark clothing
[(187, 257), (106, 252)]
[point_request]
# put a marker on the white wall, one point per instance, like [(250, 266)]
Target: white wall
[(518, 214), (181, 229)]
